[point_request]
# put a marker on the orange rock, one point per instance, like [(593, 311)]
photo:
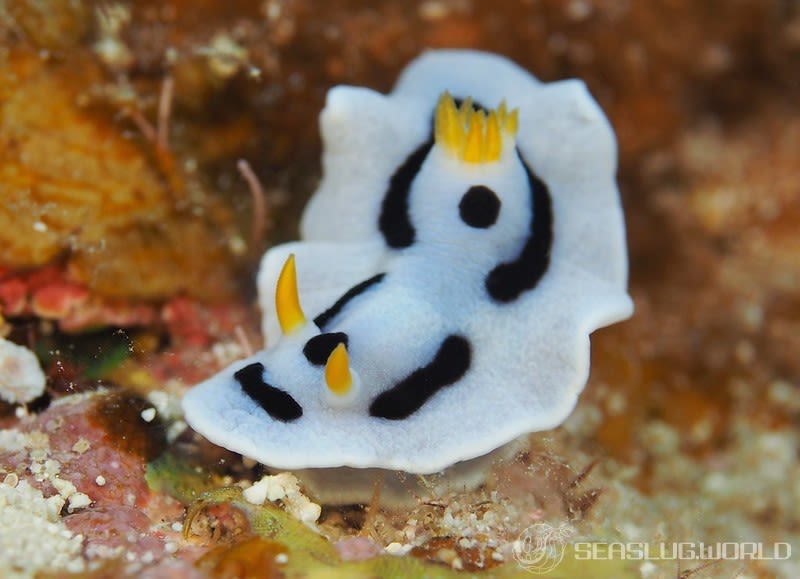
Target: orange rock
[(76, 187)]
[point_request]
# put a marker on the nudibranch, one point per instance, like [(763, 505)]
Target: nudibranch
[(466, 238)]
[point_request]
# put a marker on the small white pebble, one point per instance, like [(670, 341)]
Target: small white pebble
[(100, 480), (78, 501), (64, 487), (226, 56), (40, 226), (81, 446), (52, 467), (256, 494), (177, 527), (54, 505), (148, 414), (284, 487), (237, 245), (170, 547), (282, 558), (21, 375), (309, 512), (397, 549)]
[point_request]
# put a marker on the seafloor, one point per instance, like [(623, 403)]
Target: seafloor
[(128, 242)]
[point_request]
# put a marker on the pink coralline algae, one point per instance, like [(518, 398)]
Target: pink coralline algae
[(48, 294)]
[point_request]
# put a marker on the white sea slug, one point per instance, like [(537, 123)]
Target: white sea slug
[(465, 240)]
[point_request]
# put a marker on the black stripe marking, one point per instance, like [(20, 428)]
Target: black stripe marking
[(394, 221), (277, 403), (507, 281), (326, 316), (318, 349), (448, 366)]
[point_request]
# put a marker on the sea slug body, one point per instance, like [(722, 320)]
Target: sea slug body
[(465, 240)]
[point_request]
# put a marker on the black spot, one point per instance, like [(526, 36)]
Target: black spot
[(326, 316), (508, 280), (318, 349), (402, 400), (277, 403), (394, 221), (479, 207)]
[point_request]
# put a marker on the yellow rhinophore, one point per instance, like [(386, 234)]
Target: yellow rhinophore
[(287, 302), (337, 371), (472, 135)]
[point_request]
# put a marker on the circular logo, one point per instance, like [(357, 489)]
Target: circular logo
[(540, 547)]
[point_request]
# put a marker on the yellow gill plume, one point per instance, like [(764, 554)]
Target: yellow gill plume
[(287, 301), (471, 135)]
